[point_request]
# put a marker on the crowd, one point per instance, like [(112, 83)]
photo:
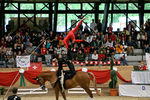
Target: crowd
[(96, 45)]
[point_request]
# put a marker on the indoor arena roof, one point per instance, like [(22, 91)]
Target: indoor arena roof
[(75, 0)]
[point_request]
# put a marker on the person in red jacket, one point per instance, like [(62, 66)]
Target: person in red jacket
[(101, 56), (71, 36), (142, 66), (43, 50)]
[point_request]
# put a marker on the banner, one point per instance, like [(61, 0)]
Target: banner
[(148, 60), (35, 67), (23, 61)]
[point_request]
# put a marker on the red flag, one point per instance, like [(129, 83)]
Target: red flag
[(35, 66)]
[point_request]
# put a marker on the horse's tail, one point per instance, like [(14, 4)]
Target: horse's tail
[(95, 87)]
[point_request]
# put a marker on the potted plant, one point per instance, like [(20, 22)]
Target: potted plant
[(113, 82), (2, 89)]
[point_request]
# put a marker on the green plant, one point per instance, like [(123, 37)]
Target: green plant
[(2, 89), (113, 81)]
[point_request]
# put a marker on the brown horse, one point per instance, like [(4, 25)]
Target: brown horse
[(80, 78)]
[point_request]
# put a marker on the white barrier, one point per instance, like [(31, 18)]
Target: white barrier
[(32, 91), (81, 90)]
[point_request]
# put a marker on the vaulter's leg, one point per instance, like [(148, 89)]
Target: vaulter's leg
[(64, 95), (57, 91)]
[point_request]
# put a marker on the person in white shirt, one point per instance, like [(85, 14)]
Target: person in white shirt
[(92, 25), (140, 39), (95, 56), (89, 39)]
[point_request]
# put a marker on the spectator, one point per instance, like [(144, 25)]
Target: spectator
[(8, 37), (140, 39), (9, 52), (113, 37), (80, 56), (58, 49), (109, 29), (95, 56), (3, 42), (55, 42), (108, 55), (119, 48), (92, 25), (14, 96), (89, 39), (99, 26), (34, 39), (147, 48), (74, 51), (9, 43), (64, 56), (86, 30), (51, 49), (130, 45), (33, 57), (124, 58), (101, 56), (94, 43), (142, 66), (18, 46), (30, 48), (2, 59), (92, 50), (117, 56), (48, 43), (27, 43), (54, 56), (48, 58), (95, 30)]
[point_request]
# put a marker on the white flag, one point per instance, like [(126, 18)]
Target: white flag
[(148, 60), (23, 61)]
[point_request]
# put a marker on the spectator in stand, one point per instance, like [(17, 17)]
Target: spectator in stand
[(108, 55), (25, 52), (60, 36), (8, 36), (110, 44), (133, 36), (95, 56), (147, 48), (101, 56), (51, 49), (92, 25), (101, 49), (118, 33), (99, 26), (26, 37), (3, 42), (81, 47), (9, 43), (64, 35), (16, 37), (27, 43), (123, 42), (92, 49), (142, 66), (33, 39), (113, 37), (18, 46), (124, 59), (64, 56), (117, 56), (130, 45), (2, 59), (54, 56), (80, 56), (94, 43), (146, 39), (95, 30), (89, 39), (48, 58), (48, 43), (147, 27), (140, 39), (109, 30), (86, 30), (119, 48), (94, 35), (30, 48), (38, 39), (74, 50), (61, 43), (51, 35), (58, 49), (9, 52), (55, 42), (33, 57), (43, 50), (87, 50)]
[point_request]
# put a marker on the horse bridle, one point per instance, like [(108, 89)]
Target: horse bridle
[(42, 86)]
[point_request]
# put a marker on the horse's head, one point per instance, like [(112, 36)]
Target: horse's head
[(40, 81)]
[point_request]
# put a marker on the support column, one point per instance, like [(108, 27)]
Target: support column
[(50, 16), (141, 12), (96, 6), (105, 18), (18, 15), (2, 18), (55, 16), (34, 14)]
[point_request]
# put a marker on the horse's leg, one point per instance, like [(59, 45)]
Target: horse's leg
[(57, 91), (64, 95), (89, 92)]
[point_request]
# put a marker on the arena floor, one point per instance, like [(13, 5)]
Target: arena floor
[(51, 96)]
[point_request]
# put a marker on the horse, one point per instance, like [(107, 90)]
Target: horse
[(81, 79)]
